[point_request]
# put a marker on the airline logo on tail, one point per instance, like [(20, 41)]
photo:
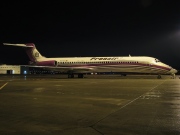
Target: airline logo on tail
[(36, 54)]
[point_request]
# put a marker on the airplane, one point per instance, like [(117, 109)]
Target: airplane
[(82, 65)]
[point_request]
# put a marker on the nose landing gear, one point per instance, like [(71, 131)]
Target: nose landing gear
[(173, 76), (159, 76)]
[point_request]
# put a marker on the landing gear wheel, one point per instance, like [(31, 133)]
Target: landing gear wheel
[(80, 76), (159, 77), (70, 75)]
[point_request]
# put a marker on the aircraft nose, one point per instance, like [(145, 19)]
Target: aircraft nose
[(173, 71)]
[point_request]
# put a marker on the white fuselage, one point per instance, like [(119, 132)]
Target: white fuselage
[(137, 64)]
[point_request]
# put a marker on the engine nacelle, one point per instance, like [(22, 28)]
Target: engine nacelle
[(47, 63)]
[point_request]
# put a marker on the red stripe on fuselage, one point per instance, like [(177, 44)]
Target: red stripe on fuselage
[(105, 64)]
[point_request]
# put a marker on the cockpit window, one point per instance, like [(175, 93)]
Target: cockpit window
[(157, 60)]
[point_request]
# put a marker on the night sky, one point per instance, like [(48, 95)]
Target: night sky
[(77, 28)]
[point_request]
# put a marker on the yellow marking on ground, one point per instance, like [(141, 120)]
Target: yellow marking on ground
[(3, 85)]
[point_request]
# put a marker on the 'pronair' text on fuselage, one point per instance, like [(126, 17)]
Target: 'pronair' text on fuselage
[(103, 58)]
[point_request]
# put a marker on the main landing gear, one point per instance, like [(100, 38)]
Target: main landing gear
[(70, 75), (79, 75)]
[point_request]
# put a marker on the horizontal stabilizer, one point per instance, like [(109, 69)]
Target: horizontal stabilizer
[(21, 45)]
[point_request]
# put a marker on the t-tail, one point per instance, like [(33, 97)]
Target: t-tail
[(31, 51)]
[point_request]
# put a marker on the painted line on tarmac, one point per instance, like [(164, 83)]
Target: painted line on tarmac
[(92, 126), (3, 86)]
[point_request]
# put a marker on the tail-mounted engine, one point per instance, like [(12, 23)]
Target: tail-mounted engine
[(47, 63)]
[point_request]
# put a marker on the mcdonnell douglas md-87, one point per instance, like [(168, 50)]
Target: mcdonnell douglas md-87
[(81, 65)]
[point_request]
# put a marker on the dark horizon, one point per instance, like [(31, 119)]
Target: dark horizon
[(92, 28)]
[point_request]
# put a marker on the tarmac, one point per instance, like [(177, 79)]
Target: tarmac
[(94, 105)]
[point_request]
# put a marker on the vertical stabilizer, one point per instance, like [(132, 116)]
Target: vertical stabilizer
[(33, 53)]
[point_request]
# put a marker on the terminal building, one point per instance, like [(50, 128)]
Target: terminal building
[(22, 70), (13, 69)]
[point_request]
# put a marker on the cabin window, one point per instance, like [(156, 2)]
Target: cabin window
[(157, 60)]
